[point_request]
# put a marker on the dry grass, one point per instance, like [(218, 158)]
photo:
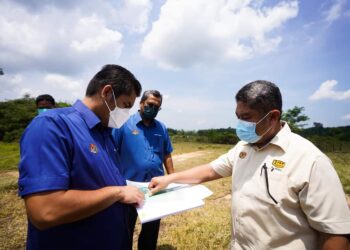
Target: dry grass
[(341, 163), (208, 227), (13, 222), (9, 155)]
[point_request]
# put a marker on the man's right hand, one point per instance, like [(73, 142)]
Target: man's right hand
[(131, 195), (158, 183)]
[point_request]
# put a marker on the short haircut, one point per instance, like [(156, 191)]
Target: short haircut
[(260, 95), (45, 97), (148, 93), (122, 81)]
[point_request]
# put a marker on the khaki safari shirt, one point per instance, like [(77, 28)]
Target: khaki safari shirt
[(301, 179)]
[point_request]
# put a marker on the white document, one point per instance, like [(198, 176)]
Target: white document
[(174, 199)]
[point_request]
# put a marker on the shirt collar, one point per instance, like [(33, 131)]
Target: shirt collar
[(280, 139), (87, 114)]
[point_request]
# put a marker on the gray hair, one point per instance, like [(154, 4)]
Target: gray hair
[(148, 93), (261, 95)]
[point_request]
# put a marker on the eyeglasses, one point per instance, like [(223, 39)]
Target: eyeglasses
[(264, 167)]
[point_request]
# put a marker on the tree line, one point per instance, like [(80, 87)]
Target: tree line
[(16, 114)]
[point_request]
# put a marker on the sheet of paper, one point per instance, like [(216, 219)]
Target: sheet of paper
[(174, 199)]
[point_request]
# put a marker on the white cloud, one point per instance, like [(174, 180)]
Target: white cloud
[(134, 14), (346, 117), (91, 35), (190, 32), (335, 11), (57, 80), (19, 35), (10, 82), (60, 86), (326, 91), (53, 39), (26, 91), (189, 112), (11, 86), (63, 84)]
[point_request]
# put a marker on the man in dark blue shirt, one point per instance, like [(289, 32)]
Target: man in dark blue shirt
[(44, 103), (74, 193), (143, 146)]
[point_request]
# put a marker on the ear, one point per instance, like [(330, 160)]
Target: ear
[(142, 103), (275, 115), (106, 92)]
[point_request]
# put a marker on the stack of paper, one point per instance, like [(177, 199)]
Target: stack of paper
[(174, 199)]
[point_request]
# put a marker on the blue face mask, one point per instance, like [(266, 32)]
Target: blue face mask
[(42, 110), (246, 130)]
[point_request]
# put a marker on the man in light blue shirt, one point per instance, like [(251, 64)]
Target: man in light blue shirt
[(143, 146)]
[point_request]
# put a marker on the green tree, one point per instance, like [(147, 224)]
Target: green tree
[(295, 118), (15, 115)]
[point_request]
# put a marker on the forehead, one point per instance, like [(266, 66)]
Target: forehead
[(128, 98), (44, 103), (152, 99), (242, 109)]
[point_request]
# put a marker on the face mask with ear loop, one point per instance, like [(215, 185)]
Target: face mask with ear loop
[(246, 130), (117, 116)]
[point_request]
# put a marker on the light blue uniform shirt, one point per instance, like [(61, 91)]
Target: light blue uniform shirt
[(141, 149)]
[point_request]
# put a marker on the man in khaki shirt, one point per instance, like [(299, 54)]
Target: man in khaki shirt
[(285, 191)]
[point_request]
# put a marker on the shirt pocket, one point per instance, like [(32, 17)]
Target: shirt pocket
[(270, 187), (157, 146)]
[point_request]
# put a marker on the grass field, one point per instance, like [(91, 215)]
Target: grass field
[(207, 227)]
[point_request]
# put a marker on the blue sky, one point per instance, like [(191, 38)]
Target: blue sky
[(197, 53)]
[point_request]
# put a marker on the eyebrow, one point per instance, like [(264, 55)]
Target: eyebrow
[(243, 114)]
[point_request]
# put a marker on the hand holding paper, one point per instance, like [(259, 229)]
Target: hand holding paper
[(174, 199)]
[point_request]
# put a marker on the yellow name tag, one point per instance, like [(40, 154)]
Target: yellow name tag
[(278, 163)]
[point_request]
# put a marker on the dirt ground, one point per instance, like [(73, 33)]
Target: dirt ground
[(10, 174), (186, 156)]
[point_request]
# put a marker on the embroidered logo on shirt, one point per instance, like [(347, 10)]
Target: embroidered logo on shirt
[(242, 154), (278, 165), (135, 132), (93, 148)]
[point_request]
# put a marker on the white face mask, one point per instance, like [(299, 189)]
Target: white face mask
[(117, 116)]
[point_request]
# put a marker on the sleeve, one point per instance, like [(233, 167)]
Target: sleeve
[(45, 157), (223, 165), (323, 199)]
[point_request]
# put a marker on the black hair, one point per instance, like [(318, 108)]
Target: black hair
[(148, 93), (261, 95), (45, 97), (122, 81)]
